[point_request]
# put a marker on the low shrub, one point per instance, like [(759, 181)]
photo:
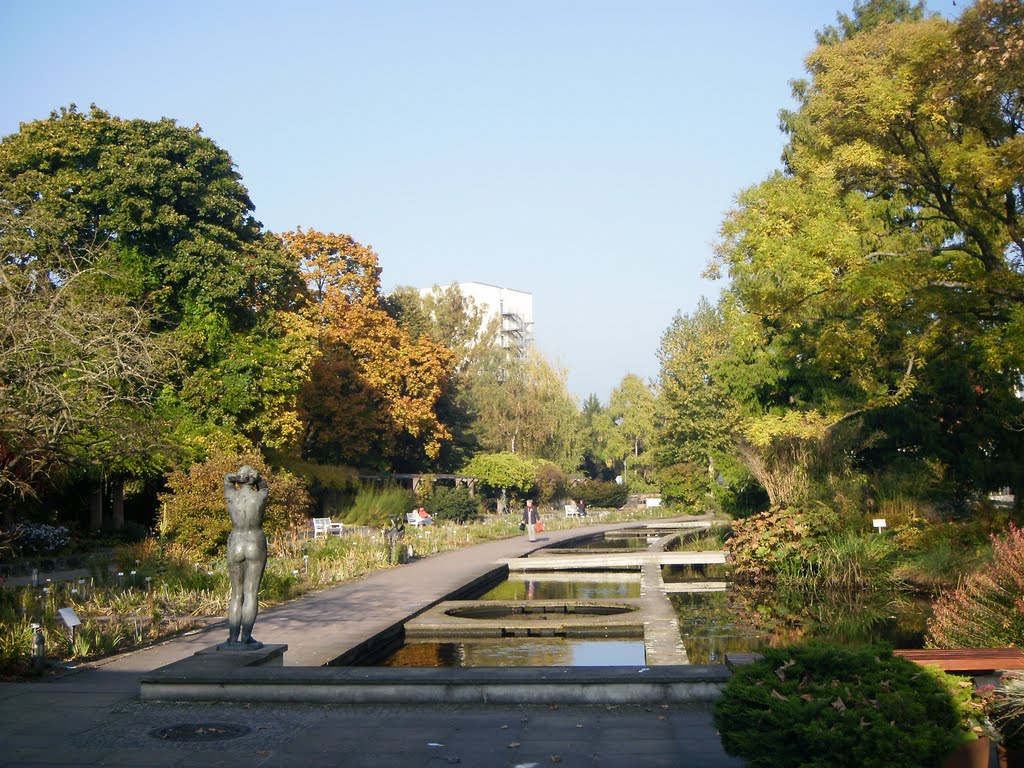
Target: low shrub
[(39, 538), (771, 543), (809, 548), (685, 484), (937, 567), (823, 705), (550, 482), (1006, 708), (195, 514), (743, 499), (453, 504), (854, 561), (599, 494)]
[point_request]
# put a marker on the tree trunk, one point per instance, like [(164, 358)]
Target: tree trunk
[(117, 503), (96, 508)]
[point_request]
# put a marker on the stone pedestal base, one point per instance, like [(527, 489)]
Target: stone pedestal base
[(240, 655), (208, 667)]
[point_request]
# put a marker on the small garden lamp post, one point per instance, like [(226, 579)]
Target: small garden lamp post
[(38, 646)]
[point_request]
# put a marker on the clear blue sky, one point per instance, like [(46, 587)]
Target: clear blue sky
[(583, 151)]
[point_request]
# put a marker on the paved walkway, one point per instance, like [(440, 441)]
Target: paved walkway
[(93, 717)]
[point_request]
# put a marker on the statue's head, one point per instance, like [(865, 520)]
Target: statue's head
[(248, 475)]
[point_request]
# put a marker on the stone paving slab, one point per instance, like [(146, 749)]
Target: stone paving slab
[(391, 735)]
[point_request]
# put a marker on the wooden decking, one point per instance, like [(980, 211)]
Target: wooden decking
[(967, 659)]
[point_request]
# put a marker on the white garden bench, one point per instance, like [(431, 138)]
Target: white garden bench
[(571, 510), (414, 519), (323, 526)]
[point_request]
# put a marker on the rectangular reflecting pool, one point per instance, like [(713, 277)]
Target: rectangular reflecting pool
[(519, 652), (713, 624)]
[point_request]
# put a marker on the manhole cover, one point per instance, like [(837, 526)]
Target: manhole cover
[(199, 732)]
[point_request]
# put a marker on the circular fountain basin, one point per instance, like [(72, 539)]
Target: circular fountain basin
[(537, 610), (540, 618)]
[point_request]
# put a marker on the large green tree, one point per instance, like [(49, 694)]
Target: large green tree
[(923, 121), (631, 429), (523, 406), (890, 251), (168, 205), (79, 374), (141, 236)]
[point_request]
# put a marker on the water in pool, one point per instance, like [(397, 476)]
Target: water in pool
[(519, 652), (566, 586)]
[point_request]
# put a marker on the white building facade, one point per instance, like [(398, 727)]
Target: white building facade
[(514, 308)]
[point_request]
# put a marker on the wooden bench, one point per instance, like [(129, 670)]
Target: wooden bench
[(323, 526), (967, 660)]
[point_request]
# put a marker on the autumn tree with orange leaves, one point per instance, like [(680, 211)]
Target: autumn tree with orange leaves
[(372, 395)]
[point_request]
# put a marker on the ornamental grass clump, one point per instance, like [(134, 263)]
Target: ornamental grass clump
[(1006, 709), (986, 610), (822, 705)]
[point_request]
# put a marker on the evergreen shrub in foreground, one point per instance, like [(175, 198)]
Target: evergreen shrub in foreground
[(821, 705)]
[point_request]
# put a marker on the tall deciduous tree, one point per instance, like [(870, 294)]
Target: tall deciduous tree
[(524, 407), (79, 374), (169, 208), (453, 320), (593, 439), (891, 250), (925, 120), (697, 416), (372, 396), (632, 417)]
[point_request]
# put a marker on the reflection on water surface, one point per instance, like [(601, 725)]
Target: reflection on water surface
[(715, 623), (519, 652), (565, 586)]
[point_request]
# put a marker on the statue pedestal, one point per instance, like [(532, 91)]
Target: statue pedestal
[(269, 655), (207, 668)]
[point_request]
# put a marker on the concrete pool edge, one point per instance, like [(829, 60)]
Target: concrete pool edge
[(226, 677)]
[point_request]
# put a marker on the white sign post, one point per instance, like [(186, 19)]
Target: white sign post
[(879, 523)]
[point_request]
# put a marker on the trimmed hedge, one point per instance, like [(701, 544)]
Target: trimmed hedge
[(453, 504), (600, 494)]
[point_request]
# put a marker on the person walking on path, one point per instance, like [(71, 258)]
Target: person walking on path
[(531, 518)]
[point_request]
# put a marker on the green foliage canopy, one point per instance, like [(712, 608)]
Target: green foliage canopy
[(503, 470), (886, 258), (167, 207)]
